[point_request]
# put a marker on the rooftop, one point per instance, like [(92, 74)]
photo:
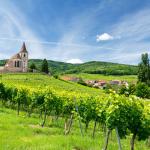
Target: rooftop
[(23, 48)]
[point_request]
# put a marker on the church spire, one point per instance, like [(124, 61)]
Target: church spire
[(23, 48)]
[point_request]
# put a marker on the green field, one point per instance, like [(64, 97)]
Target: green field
[(23, 133), (36, 80), (85, 76)]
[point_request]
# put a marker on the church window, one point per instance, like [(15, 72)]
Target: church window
[(24, 55), (18, 64), (15, 64)]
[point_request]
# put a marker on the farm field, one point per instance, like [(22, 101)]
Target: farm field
[(37, 80), (85, 76), (23, 133)]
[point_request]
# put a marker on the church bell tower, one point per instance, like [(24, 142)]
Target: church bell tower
[(24, 57)]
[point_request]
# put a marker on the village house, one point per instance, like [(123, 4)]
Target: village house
[(118, 82), (68, 78), (115, 82), (91, 82), (96, 83), (100, 84), (18, 62)]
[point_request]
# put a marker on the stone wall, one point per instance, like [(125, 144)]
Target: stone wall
[(10, 66)]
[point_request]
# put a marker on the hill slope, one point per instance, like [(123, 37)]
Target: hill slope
[(93, 67), (35, 80)]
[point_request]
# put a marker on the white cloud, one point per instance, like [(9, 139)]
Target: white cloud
[(14, 23), (135, 34), (75, 61), (104, 37), (130, 31)]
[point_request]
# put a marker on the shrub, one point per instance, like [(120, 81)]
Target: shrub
[(142, 90)]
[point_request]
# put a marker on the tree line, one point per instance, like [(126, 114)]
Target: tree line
[(44, 67)]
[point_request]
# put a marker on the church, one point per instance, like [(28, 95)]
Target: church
[(18, 62)]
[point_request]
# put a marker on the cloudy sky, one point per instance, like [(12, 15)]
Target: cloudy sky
[(76, 30)]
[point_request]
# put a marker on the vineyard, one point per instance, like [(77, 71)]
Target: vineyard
[(39, 80), (82, 111), (85, 76)]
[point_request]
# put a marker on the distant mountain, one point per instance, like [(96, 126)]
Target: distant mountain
[(93, 67)]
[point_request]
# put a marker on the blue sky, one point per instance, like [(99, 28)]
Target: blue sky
[(76, 30)]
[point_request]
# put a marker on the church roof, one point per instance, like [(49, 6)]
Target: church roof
[(17, 56), (23, 48)]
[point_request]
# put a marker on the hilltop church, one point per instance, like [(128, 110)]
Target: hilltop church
[(18, 62)]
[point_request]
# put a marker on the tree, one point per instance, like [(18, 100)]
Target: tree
[(144, 69), (142, 90), (44, 67), (32, 67)]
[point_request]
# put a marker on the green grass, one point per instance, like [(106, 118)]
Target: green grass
[(22, 133), (35, 80), (85, 76)]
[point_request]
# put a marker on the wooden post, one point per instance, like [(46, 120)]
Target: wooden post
[(80, 125), (95, 123), (70, 124), (45, 114), (18, 109), (107, 139), (118, 138), (132, 141), (65, 126)]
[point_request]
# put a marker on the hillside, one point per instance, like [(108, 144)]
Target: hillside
[(35, 80), (93, 67), (107, 68)]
